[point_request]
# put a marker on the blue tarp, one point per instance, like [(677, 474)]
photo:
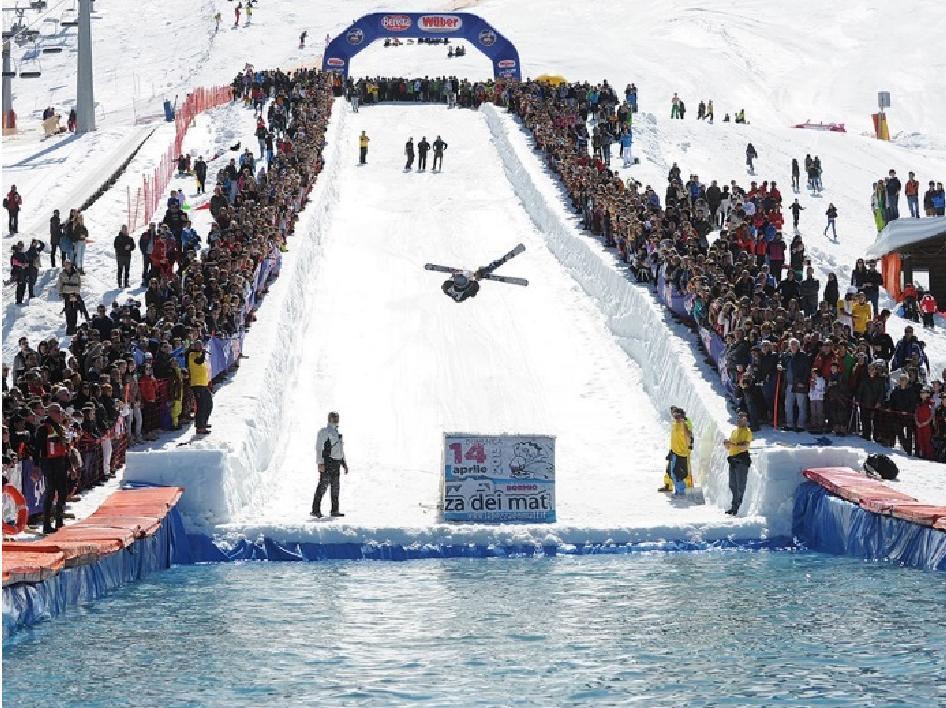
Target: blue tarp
[(204, 550), (25, 604), (827, 523)]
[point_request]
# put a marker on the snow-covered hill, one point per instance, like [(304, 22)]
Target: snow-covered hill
[(782, 62)]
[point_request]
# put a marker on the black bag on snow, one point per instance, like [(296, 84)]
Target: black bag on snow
[(881, 466)]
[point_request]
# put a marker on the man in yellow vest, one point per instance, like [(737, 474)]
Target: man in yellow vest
[(738, 448), (363, 140), (677, 477), (198, 366)]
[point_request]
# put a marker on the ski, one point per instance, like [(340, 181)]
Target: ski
[(443, 269), (505, 279), (486, 270)]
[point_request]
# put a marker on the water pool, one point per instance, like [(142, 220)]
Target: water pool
[(653, 629)]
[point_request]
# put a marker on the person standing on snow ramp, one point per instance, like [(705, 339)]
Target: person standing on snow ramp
[(423, 147), (439, 147), (677, 477), (331, 457), (363, 141)]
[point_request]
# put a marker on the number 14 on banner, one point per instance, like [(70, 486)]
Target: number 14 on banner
[(475, 453)]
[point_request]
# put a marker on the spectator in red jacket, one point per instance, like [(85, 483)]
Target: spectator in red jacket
[(12, 203)]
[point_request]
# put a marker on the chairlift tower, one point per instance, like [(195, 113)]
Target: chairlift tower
[(85, 97)]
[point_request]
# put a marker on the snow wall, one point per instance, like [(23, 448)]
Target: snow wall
[(673, 373), (222, 478)]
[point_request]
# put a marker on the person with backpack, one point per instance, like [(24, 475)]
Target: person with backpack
[(832, 214), (751, 155), (12, 203)]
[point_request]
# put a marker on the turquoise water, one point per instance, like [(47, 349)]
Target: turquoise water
[(716, 628)]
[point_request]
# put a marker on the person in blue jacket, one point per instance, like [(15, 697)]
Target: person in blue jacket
[(626, 141)]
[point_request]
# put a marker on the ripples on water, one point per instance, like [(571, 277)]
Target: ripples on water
[(663, 629)]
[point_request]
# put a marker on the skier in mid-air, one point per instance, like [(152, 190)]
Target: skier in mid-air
[(464, 284)]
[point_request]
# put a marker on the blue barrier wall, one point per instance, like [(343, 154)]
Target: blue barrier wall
[(26, 604), (827, 523)]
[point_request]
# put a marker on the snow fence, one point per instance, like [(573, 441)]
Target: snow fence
[(226, 472), (673, 375)]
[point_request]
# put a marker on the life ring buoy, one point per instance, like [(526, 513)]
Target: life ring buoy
[(22, 513)]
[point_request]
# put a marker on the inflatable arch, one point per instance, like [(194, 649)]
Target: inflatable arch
[(378, 25)]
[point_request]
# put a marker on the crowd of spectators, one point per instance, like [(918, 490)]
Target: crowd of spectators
[(135, 367), (441, 89), (795, 353)]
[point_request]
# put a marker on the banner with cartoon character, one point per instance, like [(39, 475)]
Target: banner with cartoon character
[(498, 478)]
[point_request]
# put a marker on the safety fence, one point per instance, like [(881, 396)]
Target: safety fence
[(143, 202)]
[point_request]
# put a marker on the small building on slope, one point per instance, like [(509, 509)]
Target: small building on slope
[(913, 251)]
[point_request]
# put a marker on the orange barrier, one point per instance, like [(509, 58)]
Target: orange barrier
[(126, 516), (874, 496), (23, 564)]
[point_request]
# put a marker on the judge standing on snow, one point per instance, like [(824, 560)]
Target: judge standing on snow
[(439, 147), (331, 456), (363, 141)]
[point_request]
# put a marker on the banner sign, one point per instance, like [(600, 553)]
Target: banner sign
[(498, 478)]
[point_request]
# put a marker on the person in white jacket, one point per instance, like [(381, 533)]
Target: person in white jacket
[(331, 456)]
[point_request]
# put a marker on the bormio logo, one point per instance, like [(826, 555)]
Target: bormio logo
[(396, 23), (506, 64), (335, 61), (439, 23)]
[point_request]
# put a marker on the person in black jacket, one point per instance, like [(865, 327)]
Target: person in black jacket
[(55, 233), (200, 172), (52, 448), (124, 246), (409, 152), (903, 401), (870, 397), (423, 147), (795, 369)]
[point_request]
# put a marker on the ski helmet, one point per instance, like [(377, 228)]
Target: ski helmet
[(460, 281)]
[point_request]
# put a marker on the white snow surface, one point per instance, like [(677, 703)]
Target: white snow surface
[(589, 348)]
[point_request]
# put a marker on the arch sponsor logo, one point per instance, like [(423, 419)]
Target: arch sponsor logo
[(439, 23), (355, 36), (396, 23), (487, 38), (335, 62), (506, 64)]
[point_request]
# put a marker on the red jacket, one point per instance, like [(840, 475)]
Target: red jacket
[(14, 201), (928, 304)]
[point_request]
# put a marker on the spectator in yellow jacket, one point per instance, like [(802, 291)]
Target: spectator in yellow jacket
[(198, 367), (677, 477), (738, 448), (861, 314)]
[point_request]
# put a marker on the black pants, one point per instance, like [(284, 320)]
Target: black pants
[(200, 184), (867, 423), (410, 161), (14, 221), (329, 477), (124, 267), (72, 316), (57, 485), (362, 155), (422, 161), (21, 281), (205, 405), (53, 247), (438, 161), (145, 268), (905, 432), (738, 474)]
